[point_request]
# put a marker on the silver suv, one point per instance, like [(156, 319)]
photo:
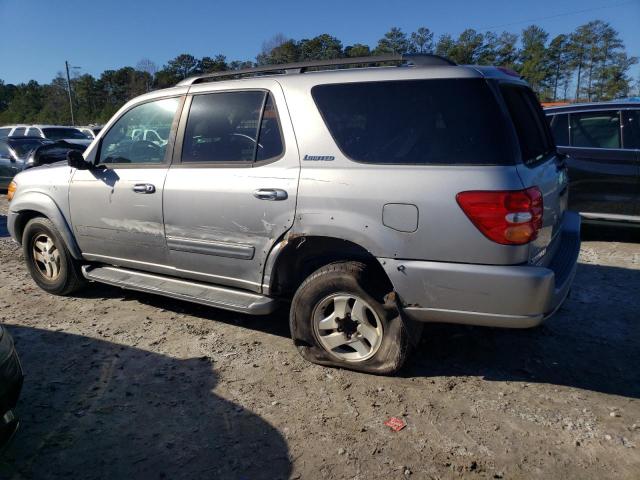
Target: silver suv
[(373, 199)]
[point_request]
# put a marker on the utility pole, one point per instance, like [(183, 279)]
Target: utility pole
[(66, 66)]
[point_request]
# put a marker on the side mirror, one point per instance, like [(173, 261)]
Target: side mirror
[(76, 160)]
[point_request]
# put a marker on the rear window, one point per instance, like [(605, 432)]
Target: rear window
[(232, 127), (529, 122), (440, 122)]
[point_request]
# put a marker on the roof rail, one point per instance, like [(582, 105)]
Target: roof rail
[(418, 60)]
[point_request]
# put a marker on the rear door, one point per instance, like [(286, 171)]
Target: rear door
[(540, 167), (603, 173), (230, 193)]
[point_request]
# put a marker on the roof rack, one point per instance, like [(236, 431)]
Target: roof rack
[(418, 60)]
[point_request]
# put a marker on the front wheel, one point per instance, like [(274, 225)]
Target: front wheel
[(49, 262), (339, 318)]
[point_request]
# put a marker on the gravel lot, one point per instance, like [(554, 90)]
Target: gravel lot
[(127, 385)]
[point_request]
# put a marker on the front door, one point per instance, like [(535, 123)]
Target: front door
[(231, 191), (116, 207)]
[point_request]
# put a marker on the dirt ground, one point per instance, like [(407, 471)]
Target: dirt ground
[(122, 385)]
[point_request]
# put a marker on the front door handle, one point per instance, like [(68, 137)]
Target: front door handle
[(270, 194), (144, 188)]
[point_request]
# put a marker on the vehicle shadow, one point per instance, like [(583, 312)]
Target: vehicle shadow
[(591, 343), (275, 324), (95, 409)]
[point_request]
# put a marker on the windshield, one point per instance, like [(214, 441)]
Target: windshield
[(23, 147), (64, 133)]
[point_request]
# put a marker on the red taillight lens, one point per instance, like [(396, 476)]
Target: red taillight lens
[(506, 217)]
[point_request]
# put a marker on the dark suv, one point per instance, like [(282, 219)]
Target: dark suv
[(602, 141)]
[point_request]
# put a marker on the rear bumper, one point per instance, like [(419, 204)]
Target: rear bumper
[(518, 296)]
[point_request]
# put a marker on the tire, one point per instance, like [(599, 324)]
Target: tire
[(48, 260), (341, 317)]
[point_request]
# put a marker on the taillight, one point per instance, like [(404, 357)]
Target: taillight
[(508, 217)]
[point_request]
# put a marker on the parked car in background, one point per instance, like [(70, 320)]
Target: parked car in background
[(51, 132), (19, 153), (91, 130), (14, 154), (51, 152), (362, 196), (10, 385), (602, 144)]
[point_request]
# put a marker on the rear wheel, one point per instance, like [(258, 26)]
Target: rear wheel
[(340, 317), (49, 262)]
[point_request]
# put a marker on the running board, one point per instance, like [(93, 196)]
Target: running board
[(213, 296)]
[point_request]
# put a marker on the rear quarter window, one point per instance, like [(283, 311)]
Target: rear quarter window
[(425, 122), (534, 137)]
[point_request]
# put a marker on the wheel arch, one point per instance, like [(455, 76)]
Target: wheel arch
[(35, 204), (297, 256)]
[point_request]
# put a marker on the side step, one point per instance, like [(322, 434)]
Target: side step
[(213, 296)]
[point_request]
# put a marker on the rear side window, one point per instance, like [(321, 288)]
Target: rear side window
[(4, 132), (232, 127), (560, 128), (631, 130), (596, 129), (529, 122), (441, 122), (18, 132)]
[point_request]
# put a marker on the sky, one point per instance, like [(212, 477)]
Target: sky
[(37, 36)]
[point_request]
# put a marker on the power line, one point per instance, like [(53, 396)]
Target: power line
[(574, 12)]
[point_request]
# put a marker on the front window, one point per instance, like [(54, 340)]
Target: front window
[(125, 141), (4, 132), (596, 129), (63, 134)]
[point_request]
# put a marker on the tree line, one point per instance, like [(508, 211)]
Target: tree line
[(588, 64)]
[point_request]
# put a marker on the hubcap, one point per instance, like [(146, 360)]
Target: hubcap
[(347, 327), (46, 257)]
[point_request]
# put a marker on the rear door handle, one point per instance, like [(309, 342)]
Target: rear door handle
[(144, 188), (270, 194)]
